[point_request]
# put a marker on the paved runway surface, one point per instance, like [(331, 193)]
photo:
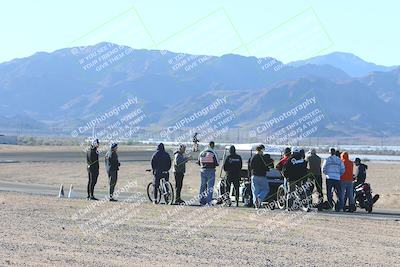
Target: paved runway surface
[(68, 156), (38, 189)]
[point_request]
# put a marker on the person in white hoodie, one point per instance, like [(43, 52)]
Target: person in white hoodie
[(333, 168)]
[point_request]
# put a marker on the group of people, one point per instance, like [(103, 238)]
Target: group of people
[(111, 164), (295, 166)]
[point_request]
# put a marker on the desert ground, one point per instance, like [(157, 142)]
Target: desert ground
[(43, 230)]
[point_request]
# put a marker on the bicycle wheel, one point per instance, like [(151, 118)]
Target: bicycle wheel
[(150, 193), (281, 197), (169, 194)]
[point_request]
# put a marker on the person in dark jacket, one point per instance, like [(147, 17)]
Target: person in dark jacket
[(361, 172), (314, 166), (233, 166), (295, 170), (92, 160), (259, 166), (160, 164), (179, 169), (112, 167)]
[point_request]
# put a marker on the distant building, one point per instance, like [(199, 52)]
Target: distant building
[(9, 140)]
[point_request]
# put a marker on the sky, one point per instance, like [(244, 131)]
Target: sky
[(287, 30)]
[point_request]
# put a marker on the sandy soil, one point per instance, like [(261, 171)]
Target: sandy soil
[(384, 177), (47, 231)]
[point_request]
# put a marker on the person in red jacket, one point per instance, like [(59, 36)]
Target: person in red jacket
[(283, 160), (346, 182)]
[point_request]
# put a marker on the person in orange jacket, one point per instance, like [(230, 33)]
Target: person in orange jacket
[(346, 182)]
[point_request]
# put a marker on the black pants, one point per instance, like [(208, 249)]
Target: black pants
[(235, 180), (178, 184), (93, 175), (112, 182)]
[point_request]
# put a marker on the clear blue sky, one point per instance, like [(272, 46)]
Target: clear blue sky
[(288, 30)]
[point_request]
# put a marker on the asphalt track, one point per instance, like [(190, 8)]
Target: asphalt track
[(68, 156), (48, 190), (127, 156)]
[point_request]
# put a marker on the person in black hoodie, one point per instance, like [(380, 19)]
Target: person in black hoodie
[(233, 166), (295, 170), (361, 172), (112, 167), (160, 164), (92, 160)]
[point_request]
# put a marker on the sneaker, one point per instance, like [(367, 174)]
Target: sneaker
[(93, 198), (179, 202), (113, 200)]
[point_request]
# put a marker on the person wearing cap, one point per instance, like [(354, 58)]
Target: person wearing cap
[(112, 166), (160, 164), (179, 169), (295, 171), (314, 166), (283, 160), (259, 181), (333, 168), (208, 161), (233, 166), (92, 160)]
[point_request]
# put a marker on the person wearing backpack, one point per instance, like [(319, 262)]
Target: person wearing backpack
[(208, 161), (179, 169), (233, 166), (259, 181)]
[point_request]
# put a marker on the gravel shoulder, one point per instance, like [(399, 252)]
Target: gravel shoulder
[(47, 231)]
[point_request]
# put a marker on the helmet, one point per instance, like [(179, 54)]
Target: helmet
[(114, 145), (295, 149)]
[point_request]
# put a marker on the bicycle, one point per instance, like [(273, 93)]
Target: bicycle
[(165, 189)]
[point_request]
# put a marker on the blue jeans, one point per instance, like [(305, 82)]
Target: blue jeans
[(331, 185), (260, 188), (207, 186), (347, 193)]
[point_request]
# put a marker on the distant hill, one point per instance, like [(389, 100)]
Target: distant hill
[(349, 63), (64, 89)]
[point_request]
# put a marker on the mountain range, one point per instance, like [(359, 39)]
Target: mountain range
[(69, 87)]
